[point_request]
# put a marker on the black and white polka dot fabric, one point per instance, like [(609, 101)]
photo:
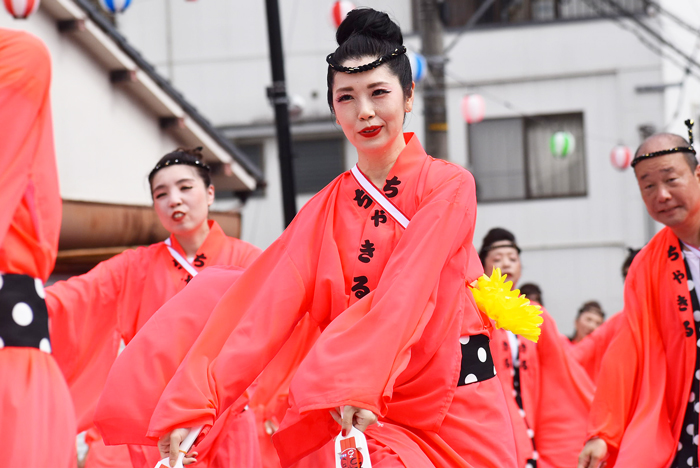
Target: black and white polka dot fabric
[(687, 455), (477, 362), (24, 319)]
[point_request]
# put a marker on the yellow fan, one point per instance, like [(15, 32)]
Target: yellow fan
[(495, 297)]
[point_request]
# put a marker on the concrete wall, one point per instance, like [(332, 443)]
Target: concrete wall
[(572, 247), (106, 142)]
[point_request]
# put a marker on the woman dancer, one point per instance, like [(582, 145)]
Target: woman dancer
[(116, 298), (37, 422), (379, 259)]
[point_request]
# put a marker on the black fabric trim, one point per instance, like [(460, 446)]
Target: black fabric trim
[(473, 368), (19, 300)]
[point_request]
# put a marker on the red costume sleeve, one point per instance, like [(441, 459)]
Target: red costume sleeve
[(147, 364), (565, 397), (589, 352), (30, 218), (85, 312)]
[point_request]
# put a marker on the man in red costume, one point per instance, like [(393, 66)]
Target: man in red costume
[(37, 421), (548, 393), (645, 411)]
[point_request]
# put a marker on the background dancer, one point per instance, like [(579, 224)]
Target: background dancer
[(549, 394), (391, 300), (645, 411), (38, 420), (91, 312)]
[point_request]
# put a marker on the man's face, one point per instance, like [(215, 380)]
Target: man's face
[(505, 258), (670, 190)]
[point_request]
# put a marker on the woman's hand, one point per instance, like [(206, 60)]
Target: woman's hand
[(169, 446), (594, 454), (353, 416)]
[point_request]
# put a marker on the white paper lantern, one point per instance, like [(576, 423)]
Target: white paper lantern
[(21, 9), (562, 144), (340, 10), (621, 157), (115, 6), (473, 108), (419, 65)]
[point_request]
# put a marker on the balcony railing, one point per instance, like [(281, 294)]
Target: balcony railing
[(457, 13)]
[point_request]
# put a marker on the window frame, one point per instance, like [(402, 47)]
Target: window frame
[(526, 158)]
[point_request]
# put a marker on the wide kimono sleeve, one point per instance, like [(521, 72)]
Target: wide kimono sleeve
[(590, 351), (617, 385), (25, 70), (84, 313), (565, 397), (244, 332)]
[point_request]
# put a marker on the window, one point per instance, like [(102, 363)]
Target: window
[(511, 158), (456, 13), (317, 162)]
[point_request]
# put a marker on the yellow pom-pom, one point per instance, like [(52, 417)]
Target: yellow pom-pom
[(495, 297)]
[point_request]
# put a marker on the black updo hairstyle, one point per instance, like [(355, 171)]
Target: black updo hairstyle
[(369, 33), (187, 156)]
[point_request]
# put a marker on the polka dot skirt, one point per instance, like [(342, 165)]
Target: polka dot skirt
[(687, 455), (477, 362), (24, 319)]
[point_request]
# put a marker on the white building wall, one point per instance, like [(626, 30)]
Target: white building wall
[(106, 142), (572, 247)]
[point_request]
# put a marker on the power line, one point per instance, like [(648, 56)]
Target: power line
[(628, 14), (645, 41), (674, 18)]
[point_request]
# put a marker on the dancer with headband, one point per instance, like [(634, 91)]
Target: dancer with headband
[(113, 301), (379, 260)]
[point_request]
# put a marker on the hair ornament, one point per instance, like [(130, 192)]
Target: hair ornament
[(678, 149), (368, 66), (190, 161)]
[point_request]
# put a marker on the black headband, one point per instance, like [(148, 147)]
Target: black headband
[(678, 149), (185, 158), (366, 67), (491, 247)]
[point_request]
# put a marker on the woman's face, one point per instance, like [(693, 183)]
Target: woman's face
[(370, 108), (180, 198), (586, 323), (505, 258)]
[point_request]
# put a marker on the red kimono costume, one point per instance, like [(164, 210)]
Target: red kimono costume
[(549, 396), (91, 312), (644, 386), (589, 352), (37, 421), (392, 304)]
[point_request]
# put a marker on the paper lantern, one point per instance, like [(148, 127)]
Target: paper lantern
[(473, 108), (339, 11), (21, 9), (115, 6), (621, 157), (562, 144), (419, 65)]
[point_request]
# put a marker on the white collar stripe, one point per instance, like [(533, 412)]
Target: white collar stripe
[(180, 259), (379, 197)]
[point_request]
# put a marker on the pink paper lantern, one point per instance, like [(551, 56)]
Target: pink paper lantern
[(621, 157), (21, 9), (339, 11), (473, 108)]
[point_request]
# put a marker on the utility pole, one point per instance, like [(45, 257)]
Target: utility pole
[(430, 27), (278, 96)]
